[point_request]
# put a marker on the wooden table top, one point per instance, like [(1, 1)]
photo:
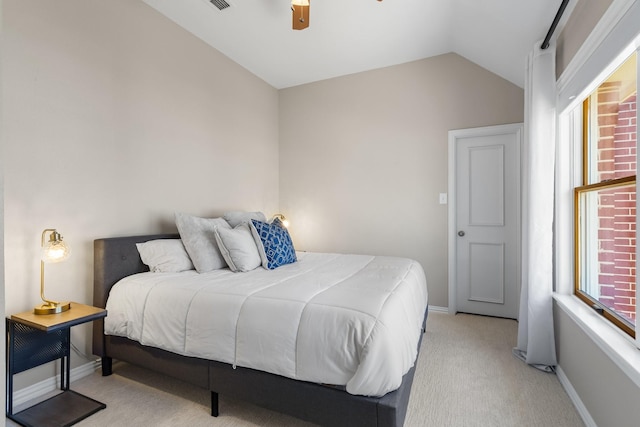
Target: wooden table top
[(77, 314)]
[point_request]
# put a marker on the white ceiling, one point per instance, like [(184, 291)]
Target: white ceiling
[(350, 36)]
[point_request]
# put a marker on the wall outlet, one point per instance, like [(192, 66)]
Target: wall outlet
[(443, 198)]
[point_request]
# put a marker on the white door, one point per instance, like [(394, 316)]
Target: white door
[(484, 220)]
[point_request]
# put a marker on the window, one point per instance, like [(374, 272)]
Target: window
[(605, 203)]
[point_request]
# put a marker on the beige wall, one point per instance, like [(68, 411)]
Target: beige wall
[(2, 297), (114, 118), (583, 19), (608, 393), (363, 157)]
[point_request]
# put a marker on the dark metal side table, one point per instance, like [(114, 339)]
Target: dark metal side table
[(33, 340)]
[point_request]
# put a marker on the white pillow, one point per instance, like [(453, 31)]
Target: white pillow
[(199, 240), (165, 255), (235, 218), (238, 247)]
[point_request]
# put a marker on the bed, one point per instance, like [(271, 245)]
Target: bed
[(294, 391)]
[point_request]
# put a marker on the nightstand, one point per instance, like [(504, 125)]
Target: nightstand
[(33, 340)]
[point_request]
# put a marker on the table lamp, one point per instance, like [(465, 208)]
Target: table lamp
[(55, 250), (282, 219)]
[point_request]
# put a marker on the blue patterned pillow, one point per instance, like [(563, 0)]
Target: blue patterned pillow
[(274, 244)]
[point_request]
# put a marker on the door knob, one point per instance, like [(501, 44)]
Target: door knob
[(460, 233)]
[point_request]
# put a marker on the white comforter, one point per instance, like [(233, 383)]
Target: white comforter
[(350, 320)]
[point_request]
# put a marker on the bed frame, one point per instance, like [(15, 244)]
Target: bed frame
[(116, 258)]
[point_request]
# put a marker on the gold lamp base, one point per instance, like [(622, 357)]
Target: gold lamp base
[(52, 308)]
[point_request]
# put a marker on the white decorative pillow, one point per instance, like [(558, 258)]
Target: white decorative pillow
[(235, 218), (199, 240), (238, 247), (165, 256)]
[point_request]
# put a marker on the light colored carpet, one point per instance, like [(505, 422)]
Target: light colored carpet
[(466, 376)]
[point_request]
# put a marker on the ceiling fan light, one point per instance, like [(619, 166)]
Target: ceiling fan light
[(300, 14)]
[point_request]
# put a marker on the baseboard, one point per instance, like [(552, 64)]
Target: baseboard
[(438, 309), (51, 384), (575, 398)]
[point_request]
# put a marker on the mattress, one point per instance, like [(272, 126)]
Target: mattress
[(346, 320)]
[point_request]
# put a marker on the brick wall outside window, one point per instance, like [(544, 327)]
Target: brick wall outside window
[(617, 207)]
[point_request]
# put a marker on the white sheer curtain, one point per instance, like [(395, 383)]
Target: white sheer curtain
[(536, 345)]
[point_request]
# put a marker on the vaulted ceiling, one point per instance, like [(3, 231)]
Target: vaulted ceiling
[(350, 36)]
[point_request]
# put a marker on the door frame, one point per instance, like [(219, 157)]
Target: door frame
[(454, 135)]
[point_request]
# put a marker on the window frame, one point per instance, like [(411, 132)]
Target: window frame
[(599, 307), (584, 152)]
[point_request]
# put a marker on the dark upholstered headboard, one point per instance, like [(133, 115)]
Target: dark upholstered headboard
[(116, 258), (113, 259)]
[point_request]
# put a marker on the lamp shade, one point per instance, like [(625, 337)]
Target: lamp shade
[(55, 250)]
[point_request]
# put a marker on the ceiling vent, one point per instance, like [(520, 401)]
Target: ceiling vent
[(220, 4)]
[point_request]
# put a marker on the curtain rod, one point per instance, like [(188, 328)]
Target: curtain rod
[(563, 6)]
